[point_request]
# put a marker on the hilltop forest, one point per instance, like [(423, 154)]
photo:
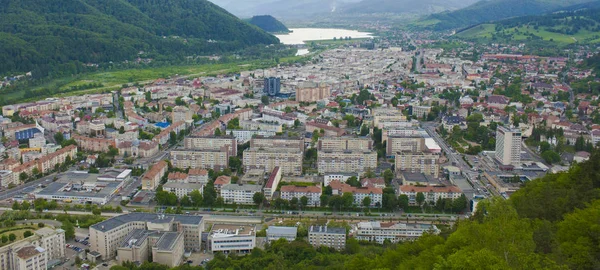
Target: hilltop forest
[(64, 37)]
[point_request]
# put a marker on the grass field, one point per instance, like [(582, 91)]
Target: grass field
[(523, 33), (17, 231)]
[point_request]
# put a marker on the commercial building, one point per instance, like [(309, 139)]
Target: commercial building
[(151, 178), (417, 179), (417, 162), (312, 92), (182, 189), (352, 161), (239, 193), (432, 193), (508, 146), (312, 193), (232, 238), (200, 159), (375, 231), (275, 233), (289, 160), (108, 235), (43, 249), (327, 236), (344, 143), (228, 144), (272, 86)]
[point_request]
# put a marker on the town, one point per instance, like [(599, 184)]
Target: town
[(364, 142)]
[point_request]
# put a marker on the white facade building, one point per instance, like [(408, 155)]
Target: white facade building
[(508, 146)]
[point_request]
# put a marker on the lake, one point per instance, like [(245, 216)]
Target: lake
[(300, 35)]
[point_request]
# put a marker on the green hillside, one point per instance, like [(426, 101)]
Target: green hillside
[(57, 37), (269, 24), (492, 10), (572, 25)]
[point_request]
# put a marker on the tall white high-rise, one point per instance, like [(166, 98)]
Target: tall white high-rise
[(508, 146)]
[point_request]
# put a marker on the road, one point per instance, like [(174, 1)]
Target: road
[(19, 189)]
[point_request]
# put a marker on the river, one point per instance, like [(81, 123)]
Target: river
[(300, 35)]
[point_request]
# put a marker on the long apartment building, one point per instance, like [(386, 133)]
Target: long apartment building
[(44, 164), (417, 162), (38, 251), (240, 194), (107, 236), (289, 160), (345, 143), (312, 193), (200, 159), (272, 183), (151, 178), (228, 144), (349, 161), (375, 231), (277, 142), (432, 193), (358, 193), (312, 92)]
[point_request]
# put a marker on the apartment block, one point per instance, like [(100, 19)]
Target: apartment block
[(358, 193), (255, 125), (400, 143), (378, 232), (107, 236), (272, 183), (327, 236), (239, 193), (181, 114), (151, 178), (342, 177), (289, 160), (312, 92), (351, 161), (228, 144), (182, 189), (94, 144), (419, 162), (45, 247), (275, 233), (420, 111), (200, 159), (312, 193), (345, 143), (508, 146), (432, 193), (277, 142)]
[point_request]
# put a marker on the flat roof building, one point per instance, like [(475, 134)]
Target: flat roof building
[(327, 236), (232, 238), (275, 233)]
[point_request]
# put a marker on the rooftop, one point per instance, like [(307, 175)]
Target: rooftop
[(325, 229), (117, 221), (229, 230), (167, 241), (29, 251)]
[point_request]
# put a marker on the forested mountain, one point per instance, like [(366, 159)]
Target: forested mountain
[(269, 24), (58, 36), (579, 23), (405, 6), (493, 10), (550, 223)]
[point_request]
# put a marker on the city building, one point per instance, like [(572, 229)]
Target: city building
[(220, 182), (289, 160), (376, 231), (200, 159), (181, 114), (312, 92), (277, 142), (417, 162), (169, 249), (312, 193), (272, 183), (6, 178), (358, 194), (244, 136), (351, 161), (38, 141), (404, 143), (272, 86), (275, 233), (107, 236), (239, 193), (198, 176), (345, 143), (182, 189), (81, 188), (508, 146), (228, 144), (421, 111), (94, 144), (231, 238), (432, 193), (327, 236), (342, 177), (417, 179), (44, 249), (30, 258), (152, 177)]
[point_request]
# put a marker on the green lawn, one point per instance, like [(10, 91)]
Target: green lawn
[(485, 31)]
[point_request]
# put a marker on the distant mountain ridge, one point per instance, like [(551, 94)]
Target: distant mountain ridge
[(493, 10), (46, 36), (405, 6), (269, 24)]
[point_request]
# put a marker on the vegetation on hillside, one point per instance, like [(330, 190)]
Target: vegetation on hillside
[(73, 36), (269, 24), (493, 10)]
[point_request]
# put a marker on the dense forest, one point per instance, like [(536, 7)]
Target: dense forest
[(550, 223), (269, 24), (63, 37), (493, 10)]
